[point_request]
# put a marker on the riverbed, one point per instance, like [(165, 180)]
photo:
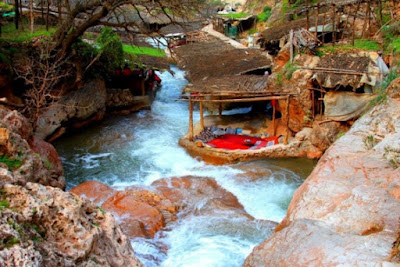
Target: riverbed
[(141, 148)]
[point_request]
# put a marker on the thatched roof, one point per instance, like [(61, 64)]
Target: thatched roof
[(361, 64), (181, 27), (232, 83), (216, 59), (277, 32)]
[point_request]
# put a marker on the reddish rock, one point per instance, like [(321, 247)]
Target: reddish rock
[(95, 191), (142, 211), (48, 154), (347, 211), (187, 192), (131, 211)]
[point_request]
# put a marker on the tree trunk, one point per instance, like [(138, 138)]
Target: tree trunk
[(59, 5), (32, 20), (21, 14), (16, 18), (47, 15)]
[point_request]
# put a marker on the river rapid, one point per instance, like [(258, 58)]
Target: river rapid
[(141, 148)]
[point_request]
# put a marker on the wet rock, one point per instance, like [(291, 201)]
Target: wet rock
[(142, 211), (200, 195), (143, 206), (50, 227), (346, 212), (95, 191), (77, 106)]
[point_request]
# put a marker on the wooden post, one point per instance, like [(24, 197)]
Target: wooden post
[(323, 29), (354, 21), (291, 45), (307, 15), (313, 102), (333, 24), (316, 21), (287, 121), (366, 20), (273, 119), (190, 119), (220, 109), (201, 114)]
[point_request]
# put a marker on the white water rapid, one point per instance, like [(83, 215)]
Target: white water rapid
[(143, 147)]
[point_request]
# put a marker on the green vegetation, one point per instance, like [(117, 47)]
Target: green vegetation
[(48, 164), (393, 155), (279, 78), (370, 141), (138, 50), (9, 33), (239, 15), (12, 164), (358, 44), (4, 204), (340, 134), (4, 7), (112, 54), (290, 68), (264, 16), (101, 210)]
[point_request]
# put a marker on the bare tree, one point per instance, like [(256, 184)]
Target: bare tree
[(41, 71), (126, 14)]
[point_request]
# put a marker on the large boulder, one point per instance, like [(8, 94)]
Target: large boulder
[(21, 163), (187, 192), (347, 211), (44, 226), (142, 211), (324, 134), (85, 104)]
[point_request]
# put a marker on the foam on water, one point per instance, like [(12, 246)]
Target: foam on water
[(143, 147)]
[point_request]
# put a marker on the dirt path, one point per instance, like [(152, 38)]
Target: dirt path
[(209, 29)]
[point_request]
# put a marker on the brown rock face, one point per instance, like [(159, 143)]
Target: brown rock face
[(188, 192), (94, 191), (85, 104), (44, 226), (49, 156), (26, 165), (347, 211), (323, 135), (142, 211)]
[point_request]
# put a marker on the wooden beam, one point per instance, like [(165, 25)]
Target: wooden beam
[(273, 119), (287, 121), (237, 100), (316, 21), (291, 45), (190, 120)]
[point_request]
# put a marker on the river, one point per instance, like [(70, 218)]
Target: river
[(143, 147)]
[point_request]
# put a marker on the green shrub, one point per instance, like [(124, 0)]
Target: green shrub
[(112, 54), (12, 164), (290, 68), (264, 16)]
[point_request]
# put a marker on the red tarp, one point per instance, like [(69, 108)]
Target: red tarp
[(233, 141)]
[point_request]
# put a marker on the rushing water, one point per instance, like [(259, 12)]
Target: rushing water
[(142, 147)]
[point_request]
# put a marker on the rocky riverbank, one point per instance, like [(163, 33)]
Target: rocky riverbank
[(347, 211), (41, 225)]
